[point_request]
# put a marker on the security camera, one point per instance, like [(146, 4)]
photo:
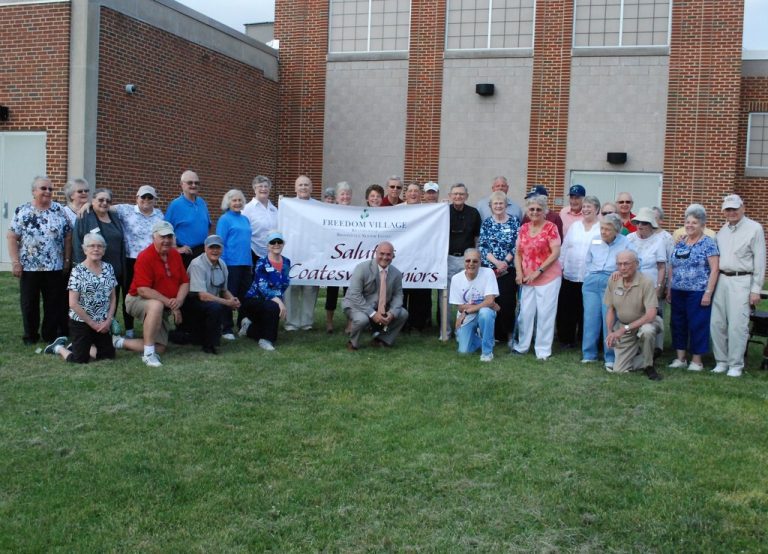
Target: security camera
[(130, 89)]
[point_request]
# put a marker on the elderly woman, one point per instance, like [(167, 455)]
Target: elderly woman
[(498, 235), (418, 302), (329, 195), (101, 220), (599, 264), (608, 208), (342, 196), (40, 245), (694, 267), (262, 215), (76, 192), (578, 239), (234, 228), (264, 306), (539, 275), (374, 195), (92, 305)]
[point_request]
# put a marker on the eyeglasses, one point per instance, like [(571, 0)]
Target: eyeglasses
[(102, 200), (471, 261), (95, 245), (147, 197), (395, 187), (82, 191), (624, 201), (192, 182), (606, 213), (217, 276), (535, 210), (45, 188), (275, 241)]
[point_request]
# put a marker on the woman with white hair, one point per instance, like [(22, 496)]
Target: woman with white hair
[(342, 196), (538, 272), (262, 214), (76, 192), (92, 305), (235, 231)]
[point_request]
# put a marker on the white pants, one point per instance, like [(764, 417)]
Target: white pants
[(300, 304), (729, 324), (537, 304)]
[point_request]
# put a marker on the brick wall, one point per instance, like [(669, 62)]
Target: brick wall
[(550, 95), (302, 28), (425, 90), (34, 77), (754, 98), (701, 151), (193, 109)]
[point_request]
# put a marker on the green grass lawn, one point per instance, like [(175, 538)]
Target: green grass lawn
[(312, 448)]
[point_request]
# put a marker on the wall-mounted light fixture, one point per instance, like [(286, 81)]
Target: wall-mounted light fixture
[(484, 89), (617, 158), (130, 89)]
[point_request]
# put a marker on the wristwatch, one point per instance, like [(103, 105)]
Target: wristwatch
[(626, 328)]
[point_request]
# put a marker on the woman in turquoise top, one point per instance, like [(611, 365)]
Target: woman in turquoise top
[(235, 230)]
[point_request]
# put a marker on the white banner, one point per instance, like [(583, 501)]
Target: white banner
[(326, 241)]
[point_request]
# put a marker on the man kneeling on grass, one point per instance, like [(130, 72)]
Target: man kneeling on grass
[(474, 291), (631, 302), (159, 288)]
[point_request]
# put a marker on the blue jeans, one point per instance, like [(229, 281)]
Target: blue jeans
[(594, 316), (467, 337)]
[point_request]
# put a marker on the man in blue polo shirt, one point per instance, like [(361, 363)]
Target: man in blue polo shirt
[(190, 219)]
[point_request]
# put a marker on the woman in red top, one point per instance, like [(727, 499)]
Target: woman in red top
[(539, 276)]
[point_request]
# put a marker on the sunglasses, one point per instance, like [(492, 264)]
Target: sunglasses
[(606, 213), (46, 188), (624, 202), (395, 187), (147, 197), (102, 200), (82, 191), (275, 241), (192, 182)]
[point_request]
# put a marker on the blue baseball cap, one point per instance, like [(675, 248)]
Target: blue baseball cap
[(577, 190), (538, 190)]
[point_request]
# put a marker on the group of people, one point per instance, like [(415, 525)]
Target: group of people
[(594, 275)]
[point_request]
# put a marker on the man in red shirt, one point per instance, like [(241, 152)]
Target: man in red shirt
[(393, 189), (158, 290)]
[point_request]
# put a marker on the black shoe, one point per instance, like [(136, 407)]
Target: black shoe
[(656, 354), (650, 371), (210, 350)]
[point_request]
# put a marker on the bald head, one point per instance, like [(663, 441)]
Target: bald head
[(385, 252), (303, 187)]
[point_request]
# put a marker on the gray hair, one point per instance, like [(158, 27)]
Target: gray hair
[(473, 251), (394, 178), (659, 213), (630, 253), (539, 200), (343, 185), (593, 201), (261, 180), (72, 185), (91, 238), (696, 211), (498, 195), (229, 196), (615, 220), (460, 186), (103, 190), (39, 179), (500, 178)]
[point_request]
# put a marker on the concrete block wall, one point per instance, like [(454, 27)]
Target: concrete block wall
[(194, 109), (485, 136), (34, 77), (617, 104), (364, 123)]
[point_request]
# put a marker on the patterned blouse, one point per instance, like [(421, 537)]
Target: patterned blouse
[(94, 290), (268, 282), (690, 264), (498, 239), (137, 227), (42, 234)]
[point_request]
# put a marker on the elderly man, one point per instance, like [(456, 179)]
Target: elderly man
[(375, 297), (474, 292), (158, 290), (300, 299), (393, 190), (431, 192), (484, 204), (741, 242), (209, 302), (189, 216), (624, 205), (262, 214), (571, 213), (631, 301)]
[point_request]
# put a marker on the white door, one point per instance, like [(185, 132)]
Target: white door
[(22, 158), (645, 188)]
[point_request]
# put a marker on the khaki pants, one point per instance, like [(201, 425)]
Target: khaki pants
[(635, 350), (729, 325)]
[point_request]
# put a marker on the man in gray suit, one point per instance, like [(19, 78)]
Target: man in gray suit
[(367, 302)]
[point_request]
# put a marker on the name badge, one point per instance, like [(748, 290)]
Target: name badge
[(269, 269), (619, 292), (597, 241)]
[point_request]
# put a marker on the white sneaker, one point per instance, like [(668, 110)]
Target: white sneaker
[(677, 363), (266, 345), (734, 372), (290, 328), (118, 341), (693, 366), (228, 336), (486, 357), (244, 325), (542, 358), (306, 328), (721, 367), (586, 361), (151, 361), (51, 348), (609, 367)]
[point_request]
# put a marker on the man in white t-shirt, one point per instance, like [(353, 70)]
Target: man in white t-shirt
[(474, 292)]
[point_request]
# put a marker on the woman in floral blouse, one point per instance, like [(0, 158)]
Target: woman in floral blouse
[(264, 307), (498, 235), (539, 275)]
